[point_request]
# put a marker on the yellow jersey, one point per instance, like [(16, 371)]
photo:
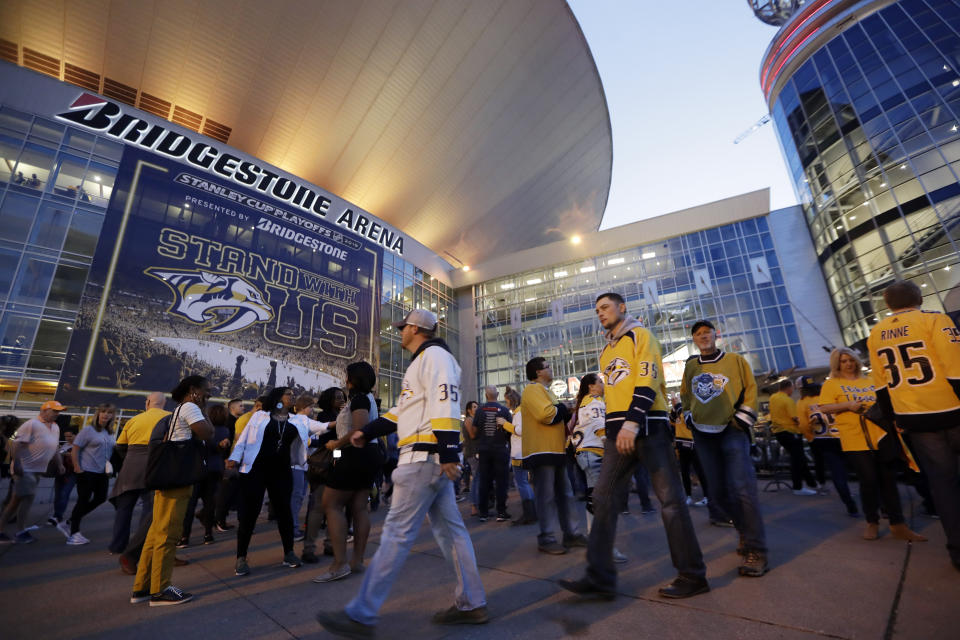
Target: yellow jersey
[(632, 370), (915, 356), (854, 434), (783, 413)]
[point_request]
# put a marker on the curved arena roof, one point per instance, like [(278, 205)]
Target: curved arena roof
[(479, 127)]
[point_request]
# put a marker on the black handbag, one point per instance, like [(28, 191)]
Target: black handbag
[(319, 465), (172, 463)]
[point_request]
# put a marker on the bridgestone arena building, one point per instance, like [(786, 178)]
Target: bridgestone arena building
[(162, 216)]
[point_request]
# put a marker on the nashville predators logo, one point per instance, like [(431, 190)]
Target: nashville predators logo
[(405, 394), (198, 294), (617, 370), (708, 386)]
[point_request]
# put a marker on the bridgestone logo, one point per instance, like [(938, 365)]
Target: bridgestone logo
[(107, 118)]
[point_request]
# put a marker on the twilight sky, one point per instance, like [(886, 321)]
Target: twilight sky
[(681, 83)]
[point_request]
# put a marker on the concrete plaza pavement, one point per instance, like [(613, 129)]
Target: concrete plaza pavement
[(825, 582)]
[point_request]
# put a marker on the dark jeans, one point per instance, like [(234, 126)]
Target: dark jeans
[(799, 471), (828, 454), (494, 469), (91, 493), (205, 490), (125, 503), (227, 494), (62, 487), (938, 453), (555, 502), (726, 461), (656, 452), (878, 483), (278, 484)]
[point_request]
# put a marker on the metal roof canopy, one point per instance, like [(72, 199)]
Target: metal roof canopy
[(479, 127)]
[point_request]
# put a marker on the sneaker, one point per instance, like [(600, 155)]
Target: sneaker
[(683, 587), (52, 521), (64, 528), (183, 543), (76, 539), (503, 516), (299, 536), (453, 615), (170, 595), (291, 560), (309, 557), (139, 596), (553, 548), (5, 539), (754, 564), (460, 498), (578, 540), (701, 502), (586, 587), (127, 566), (339, 623), (24, 537), (806, 491), (242, 567), (618, 557), (648, 510), (208, 539), (332, 575), (223, 527), (483, 518)]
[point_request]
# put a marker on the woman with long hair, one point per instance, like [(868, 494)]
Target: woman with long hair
[(272, 441), (352, 475), (873, 453), (470, 458), (217, 449), (90, 453), (588, 434), (329, 403)]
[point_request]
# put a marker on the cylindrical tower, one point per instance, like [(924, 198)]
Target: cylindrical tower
[(865, 97)]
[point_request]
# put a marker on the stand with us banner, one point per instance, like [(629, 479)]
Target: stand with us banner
[(195, 275)]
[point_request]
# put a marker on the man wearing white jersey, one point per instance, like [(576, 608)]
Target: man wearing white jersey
[(427, 422)]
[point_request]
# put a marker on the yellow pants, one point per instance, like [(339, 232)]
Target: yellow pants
[(155, 568)]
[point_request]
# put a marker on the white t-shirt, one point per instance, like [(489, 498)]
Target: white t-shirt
[(186, 414), (41, 444)]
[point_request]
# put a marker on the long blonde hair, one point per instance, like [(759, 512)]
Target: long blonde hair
[(835, 361), (512, 397)]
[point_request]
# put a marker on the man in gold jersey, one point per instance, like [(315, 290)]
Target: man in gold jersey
[(915, 356), (786, 429), (637, 429)]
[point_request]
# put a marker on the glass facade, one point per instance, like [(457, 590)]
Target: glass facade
[(869, 128), (55, 183), (729, 274)]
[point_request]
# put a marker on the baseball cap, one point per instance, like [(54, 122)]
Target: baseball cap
[(806, 381), (52, 404), (418, 318), (702, 323)]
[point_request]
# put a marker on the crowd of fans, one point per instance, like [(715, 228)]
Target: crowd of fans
[(329, 470)]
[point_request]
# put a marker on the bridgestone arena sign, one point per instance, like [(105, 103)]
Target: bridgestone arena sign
[(104, 117)]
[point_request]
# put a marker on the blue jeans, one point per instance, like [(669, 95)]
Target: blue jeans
[(420, 489), (656, 452), (298, 495), (829, 451), (726, 461), (591, 464), (523, 483), (555, 503), (63, 488)]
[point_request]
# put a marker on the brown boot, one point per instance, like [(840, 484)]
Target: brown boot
[(903, 532), (871, 532)]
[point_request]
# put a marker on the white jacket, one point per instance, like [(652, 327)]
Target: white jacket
[(516, 438), (427, 416), (248, 442)]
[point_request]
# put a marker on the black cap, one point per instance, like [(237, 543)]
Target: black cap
[(702, 323)]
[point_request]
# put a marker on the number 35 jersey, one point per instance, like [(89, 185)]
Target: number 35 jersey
[(915, 356)]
